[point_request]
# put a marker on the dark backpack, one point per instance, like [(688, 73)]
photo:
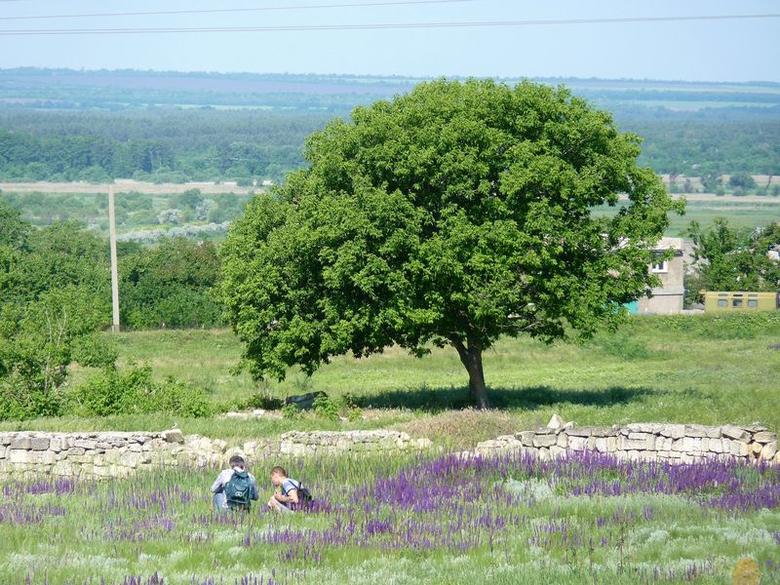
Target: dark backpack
[(238, 491), (304, 495)]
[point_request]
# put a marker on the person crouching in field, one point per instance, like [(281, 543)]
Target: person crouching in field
[(289, 494), (235, 488)]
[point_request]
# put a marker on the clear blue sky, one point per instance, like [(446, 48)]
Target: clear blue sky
[(717, 51)]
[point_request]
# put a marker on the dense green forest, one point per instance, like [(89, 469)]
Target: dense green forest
[(175, 127), (168, 145), (177, 145)]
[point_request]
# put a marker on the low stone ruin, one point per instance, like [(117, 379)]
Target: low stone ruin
[(298, 443), (681, 443), (119, 454), (104, 454)]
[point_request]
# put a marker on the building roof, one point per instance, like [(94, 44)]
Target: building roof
[(670, 244)]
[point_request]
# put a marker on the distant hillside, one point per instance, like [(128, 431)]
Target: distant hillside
[(69, 89)]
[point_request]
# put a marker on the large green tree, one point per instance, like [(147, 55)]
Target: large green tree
[(453, 215)]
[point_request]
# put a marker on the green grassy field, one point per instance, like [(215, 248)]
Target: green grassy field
[(696, 369), (425, 518), (741, 214)]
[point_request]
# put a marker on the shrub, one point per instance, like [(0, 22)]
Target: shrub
[(291, 412), (742, 181), (169, 285), (135, 392), (22, 400), (261, 399), (95, 352), (327, 408), (38, 342)]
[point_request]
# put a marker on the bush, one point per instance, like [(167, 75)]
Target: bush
[(327, 408), (135, 392), (262, 400), (291, 412), (21, 400), (95, 351), (169, 286), (742, 181), (38, 342)]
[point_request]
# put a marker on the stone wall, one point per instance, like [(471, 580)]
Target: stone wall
[(117, 454), (86, 454), (298, 443), (643, 441)]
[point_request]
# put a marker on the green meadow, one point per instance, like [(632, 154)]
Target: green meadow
[(694, 369), (740, 214)]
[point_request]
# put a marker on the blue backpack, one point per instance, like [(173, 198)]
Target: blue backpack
[(238, 491)]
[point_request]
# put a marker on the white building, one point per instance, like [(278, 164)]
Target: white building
[(667, 298)]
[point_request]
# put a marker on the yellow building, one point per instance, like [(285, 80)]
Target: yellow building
[(727, 301)]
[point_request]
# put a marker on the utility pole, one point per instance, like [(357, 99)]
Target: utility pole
[(114, 269)]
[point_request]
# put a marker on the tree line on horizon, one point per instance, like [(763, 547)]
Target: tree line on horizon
[(171, 145)]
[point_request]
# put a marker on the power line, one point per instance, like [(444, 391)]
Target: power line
[(385, 26), (233, 10)]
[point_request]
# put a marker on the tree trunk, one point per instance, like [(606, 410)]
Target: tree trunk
[(471, 358)]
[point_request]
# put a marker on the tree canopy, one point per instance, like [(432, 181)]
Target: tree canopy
[(729, 259), (452, 215), (53, 298), (169, 285)]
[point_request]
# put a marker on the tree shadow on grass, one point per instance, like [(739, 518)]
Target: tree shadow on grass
[(434, 400)]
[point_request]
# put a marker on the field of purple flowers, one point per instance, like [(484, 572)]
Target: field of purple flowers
[(411, 520)]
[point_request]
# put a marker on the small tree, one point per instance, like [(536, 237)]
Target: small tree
[(742, 181), (453, 215), (711, 182), (730, 259)]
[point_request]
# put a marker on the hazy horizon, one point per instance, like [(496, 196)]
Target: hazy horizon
[(726, 51), (400, 76)]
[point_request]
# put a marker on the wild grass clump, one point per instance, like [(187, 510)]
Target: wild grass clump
[(461, 429), (623, 345)]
